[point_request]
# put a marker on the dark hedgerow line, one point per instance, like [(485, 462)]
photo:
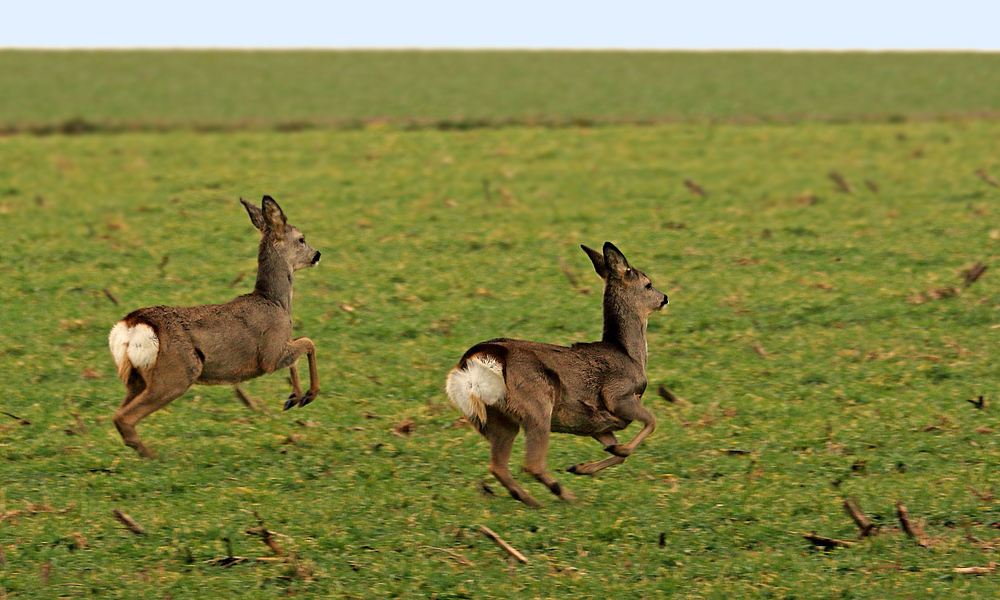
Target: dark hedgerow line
[(81, 126)]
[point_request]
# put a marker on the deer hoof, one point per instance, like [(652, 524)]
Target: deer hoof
[(292, 401), (526, 498), (308, 397)]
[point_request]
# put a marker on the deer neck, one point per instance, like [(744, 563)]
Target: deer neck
[(626, 328), (274, 277)]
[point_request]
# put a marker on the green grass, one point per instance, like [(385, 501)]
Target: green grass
[(296, 88), (853, 374)]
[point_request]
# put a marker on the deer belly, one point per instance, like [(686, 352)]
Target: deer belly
[(232, 366), (585, 420)]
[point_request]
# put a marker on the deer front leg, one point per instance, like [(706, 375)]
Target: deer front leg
[(607, 440), (293, 398), (633, 410), (293, 350)]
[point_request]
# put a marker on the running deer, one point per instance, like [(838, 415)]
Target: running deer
[(161, 351), (594, 389)]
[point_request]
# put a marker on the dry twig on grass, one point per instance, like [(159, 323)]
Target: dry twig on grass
[(696, 189), (129, 522), (973, 273), (669, 396), (228, 561), (759, 349), (511, 551), (853, 509), (825, 542), (266, 536), (111, 296), (842, 184), (990, 568), (247, 402), (904, 520), (34, 509), (16, 418), (987, 178), (980, 403)]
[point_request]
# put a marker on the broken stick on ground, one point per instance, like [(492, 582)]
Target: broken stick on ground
[(129, 522), (244, 398), (908, 527), (265, 535), (502, 543), (16, 418), (858, 516), (826, 542), (977, 570)]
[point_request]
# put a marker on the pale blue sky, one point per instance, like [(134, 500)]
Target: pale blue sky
[(706, 24)]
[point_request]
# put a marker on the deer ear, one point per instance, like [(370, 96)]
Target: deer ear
[(256, 216), (598, 259), (615, 260), (273, 215)]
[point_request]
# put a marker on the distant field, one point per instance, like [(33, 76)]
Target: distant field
[(293, 88), (869, 346)]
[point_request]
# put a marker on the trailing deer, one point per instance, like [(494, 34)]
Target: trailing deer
[(504, 385), (161, 351)]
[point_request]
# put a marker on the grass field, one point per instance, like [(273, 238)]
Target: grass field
[(77, 90), (862, 392)]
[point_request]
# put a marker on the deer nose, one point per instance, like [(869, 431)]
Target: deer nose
[(664, 303), (316, 258)]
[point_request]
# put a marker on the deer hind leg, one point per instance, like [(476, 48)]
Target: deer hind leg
[(536, 444), (633, 410), (293, 351), (500, 432), (169, 379), (608, 440), (133, 387)]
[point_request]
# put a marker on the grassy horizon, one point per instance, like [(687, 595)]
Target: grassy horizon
[(151, 88)]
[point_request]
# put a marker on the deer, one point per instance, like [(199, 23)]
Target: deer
[(587, 389), (161, 351)]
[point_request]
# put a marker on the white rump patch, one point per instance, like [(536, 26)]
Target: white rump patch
[(118, 341), (479, 384), (133, 347), (143, 346)]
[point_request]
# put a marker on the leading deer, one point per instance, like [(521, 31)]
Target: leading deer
[(594, 389), (161, 351)]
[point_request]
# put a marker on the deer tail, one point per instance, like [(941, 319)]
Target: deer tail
[(475, 385), (133, 347)]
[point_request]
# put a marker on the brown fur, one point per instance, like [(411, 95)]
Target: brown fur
[(244, 338), (591, 389)]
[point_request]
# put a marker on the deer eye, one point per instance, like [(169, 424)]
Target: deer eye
[(302, 241), (649, 285)]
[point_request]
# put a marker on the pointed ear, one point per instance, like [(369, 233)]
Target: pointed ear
[(256, 216), (273, 215), (615, 260), (598, 259)]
